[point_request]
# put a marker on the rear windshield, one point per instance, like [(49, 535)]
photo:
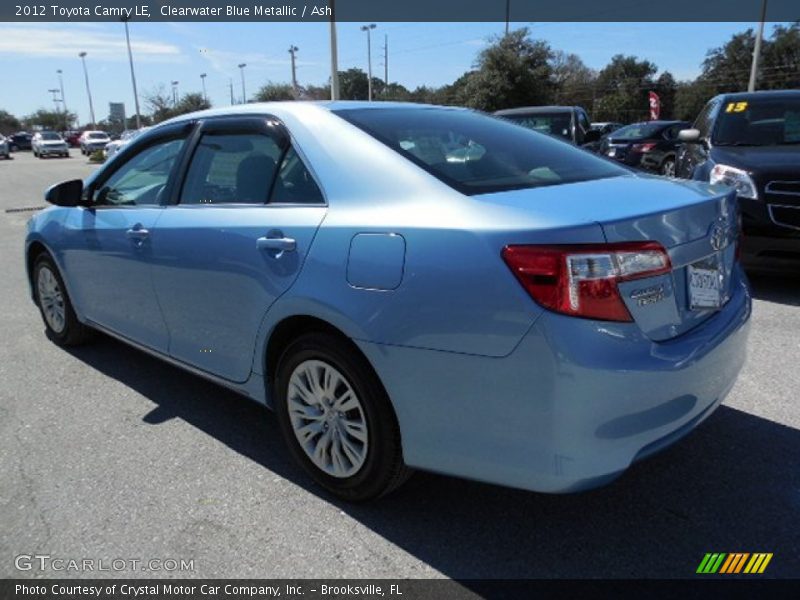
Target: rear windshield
[(558, 124), (637, 131), (759, 122), (476, 153)]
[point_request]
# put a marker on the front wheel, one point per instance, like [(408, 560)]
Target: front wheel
[(63, 327), (337, 419), (668, 167)]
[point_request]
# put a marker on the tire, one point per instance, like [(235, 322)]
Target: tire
[(49, 291), (370, 464), (667, 168)]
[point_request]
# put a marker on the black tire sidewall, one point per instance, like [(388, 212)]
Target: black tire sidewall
[(372, 478)]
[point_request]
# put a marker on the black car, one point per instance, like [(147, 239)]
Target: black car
[(570, 123), (20, 141), (751, 141), (650, 145)]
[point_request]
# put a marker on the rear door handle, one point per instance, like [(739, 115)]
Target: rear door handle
[(281, 244), (137, 235)]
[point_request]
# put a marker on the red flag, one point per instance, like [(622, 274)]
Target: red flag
[(655, 106)]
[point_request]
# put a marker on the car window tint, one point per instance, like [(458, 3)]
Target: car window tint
[(231, 168), (295, 184), (475, 153), (553, 124), (141, 179)]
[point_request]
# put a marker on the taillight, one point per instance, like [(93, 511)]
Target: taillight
[(582, 280), (643, 148)]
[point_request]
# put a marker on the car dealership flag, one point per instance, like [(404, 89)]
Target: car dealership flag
[(655, 106)]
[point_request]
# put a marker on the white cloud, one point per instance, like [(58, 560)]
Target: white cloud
[(225, 61), (53, 41)]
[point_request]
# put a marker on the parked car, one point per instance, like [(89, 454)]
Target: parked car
[(72, 138), (528, 314), (20, 141), (49, 143), (5, 149), (751, 141), (606, 127), (566, 122), (650, 145), (127, 136), (91, 141)]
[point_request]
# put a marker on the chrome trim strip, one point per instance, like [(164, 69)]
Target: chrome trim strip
[(235, 387), (782, 193), (779, 223)]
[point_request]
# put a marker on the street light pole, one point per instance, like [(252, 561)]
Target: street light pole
[(175, 93), (751, 87), (133, 76), (368, 29), (292, 50), (63, 101), (241, 71), (88, 90), (334, 54), (203, 79)]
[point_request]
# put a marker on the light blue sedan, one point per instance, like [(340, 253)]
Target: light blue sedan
[(408, 287)]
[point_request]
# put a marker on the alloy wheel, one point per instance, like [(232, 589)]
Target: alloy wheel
[(327, 418), (51, 299)]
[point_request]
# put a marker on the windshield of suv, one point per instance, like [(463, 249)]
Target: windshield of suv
[(637, 131), (51, 137), (98, 136), (476, 153), (550, 123), (758, 122)]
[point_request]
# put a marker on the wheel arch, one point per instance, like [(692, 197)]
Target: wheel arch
[(34, 250)]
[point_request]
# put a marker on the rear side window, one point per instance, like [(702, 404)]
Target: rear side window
[(231, 168), (475, 153)]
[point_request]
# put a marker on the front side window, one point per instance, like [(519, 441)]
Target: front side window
[(758, 122), (476, 153), (231, 168), (141, 179)]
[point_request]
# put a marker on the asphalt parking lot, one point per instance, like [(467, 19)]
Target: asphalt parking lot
[(108, 453)]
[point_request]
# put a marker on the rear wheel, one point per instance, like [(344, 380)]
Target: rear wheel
[(668, 167), (63, 327), (337, 419)]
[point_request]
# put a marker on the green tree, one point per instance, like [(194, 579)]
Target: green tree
[(271, 92), (162, 106), (514, 70), (8, 123), (49, 119), (573, 81), (622, 87), (666, 88), (353, 84)]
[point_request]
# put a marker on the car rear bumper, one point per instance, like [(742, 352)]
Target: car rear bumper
[(571, 407)]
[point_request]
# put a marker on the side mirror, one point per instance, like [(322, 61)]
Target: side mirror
[(66, 193), (689, 136)]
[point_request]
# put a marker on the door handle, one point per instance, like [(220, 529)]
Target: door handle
[(137, 234), (281, 244)]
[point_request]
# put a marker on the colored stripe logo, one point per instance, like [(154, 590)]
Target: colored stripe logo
[(733, 563)]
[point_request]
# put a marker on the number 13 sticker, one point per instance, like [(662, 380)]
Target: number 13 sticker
[(736, 107)]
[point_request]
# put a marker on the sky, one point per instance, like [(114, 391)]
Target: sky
[(419, 54)]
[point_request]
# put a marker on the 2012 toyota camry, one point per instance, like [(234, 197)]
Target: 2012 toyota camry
[(408, 287)]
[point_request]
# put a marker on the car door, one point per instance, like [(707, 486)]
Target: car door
[(234, 240), (108, 245)]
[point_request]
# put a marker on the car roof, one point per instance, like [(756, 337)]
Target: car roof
[(536, 109), (761, 94)]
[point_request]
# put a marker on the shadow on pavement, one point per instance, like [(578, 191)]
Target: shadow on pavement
[(731, 486), (773, 288)]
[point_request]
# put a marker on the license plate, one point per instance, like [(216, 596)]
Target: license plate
[(705, 284), (612, 152)]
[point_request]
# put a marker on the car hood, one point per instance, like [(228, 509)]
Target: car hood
[(759, 158)]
